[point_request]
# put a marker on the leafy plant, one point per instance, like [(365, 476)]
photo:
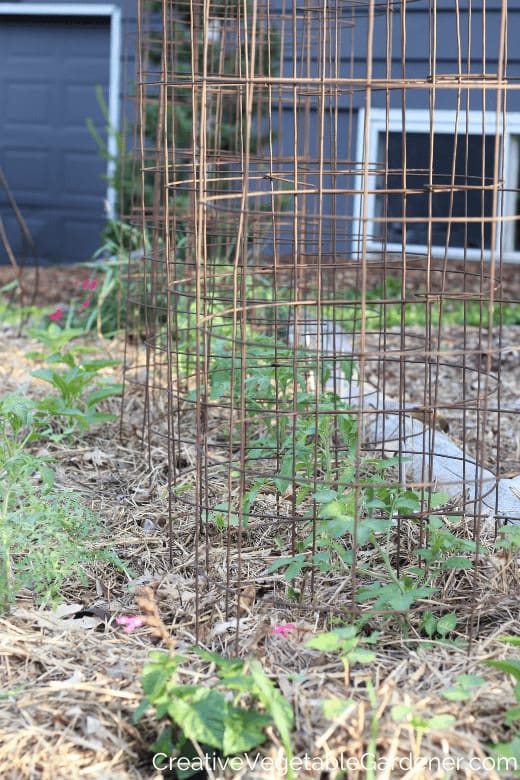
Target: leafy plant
[(341, 495), (79, 386), (347, 642), (406, 712), (442, 626), (509, 750), (224, 717), (445, 549), (511, 667), (369, 514), (46, 535), (464, 688), (509, 538), (388, 302)]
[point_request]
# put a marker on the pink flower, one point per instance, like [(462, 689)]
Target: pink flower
[(89, 284), (56, 315), (130, 622), (86, 303), (284, 629)]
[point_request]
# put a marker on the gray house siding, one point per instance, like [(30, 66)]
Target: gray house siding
[(460, 43), (59, 186)]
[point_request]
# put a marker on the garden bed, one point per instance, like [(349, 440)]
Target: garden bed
[(71, 679)]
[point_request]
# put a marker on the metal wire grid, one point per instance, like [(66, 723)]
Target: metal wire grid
[(270, 208)]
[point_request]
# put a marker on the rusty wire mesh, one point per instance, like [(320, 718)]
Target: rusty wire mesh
[(325, 188)]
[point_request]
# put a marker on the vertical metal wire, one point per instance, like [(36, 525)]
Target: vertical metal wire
[(284, 189)]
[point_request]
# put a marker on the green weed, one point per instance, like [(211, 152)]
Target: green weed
[(77, 381), (46, 534), (225, 719)]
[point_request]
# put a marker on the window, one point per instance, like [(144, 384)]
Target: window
[(453, 205)]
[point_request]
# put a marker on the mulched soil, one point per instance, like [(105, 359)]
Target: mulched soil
[(75, 683), (55, 284)]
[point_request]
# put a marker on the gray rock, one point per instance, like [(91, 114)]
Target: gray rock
[(433, 459)]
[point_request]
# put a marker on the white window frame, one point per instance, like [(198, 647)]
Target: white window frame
[(113, 12), (444, 121)]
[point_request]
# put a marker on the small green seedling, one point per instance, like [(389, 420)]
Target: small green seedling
[(442, 626), (465, 687), (345, 641), (406, 712)]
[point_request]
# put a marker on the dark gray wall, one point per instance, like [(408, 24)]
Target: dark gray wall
[(466, 37), (49, 69)]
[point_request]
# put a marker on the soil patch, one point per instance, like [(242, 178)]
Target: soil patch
[(55, 284), (70, 686)]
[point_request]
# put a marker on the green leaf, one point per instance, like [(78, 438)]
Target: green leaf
[(324, 496), (457, 562), (376, 524), (511, 667), (278, 707), (508, 750), (470, 681), (408, 501), (465, 686), (201, 716), (224, 665), (447, 623), (243, 730), (294, 569), (157, 673), (12, 693), (140, 710), (236, 682), (511, 715), (334, 708), (163, 745), (46, 374), (456, 694), (403, 601), (386, 463), (376, 503), (361, 655), (47, 474), (12, 285), (327, 643), (93, 366), (438, 499), (401, 712), (512, 640), (442, 721), (18, 408), (153, 681), (429, 623), (333, 509), (106, 391), (335, 640), (92, 418), (339, 526), (67, 359), (418, 722), (285, 561)]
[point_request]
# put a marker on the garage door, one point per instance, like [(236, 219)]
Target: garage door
[(49, 69)]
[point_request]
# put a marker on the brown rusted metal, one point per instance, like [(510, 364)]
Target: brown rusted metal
[(301, 269)]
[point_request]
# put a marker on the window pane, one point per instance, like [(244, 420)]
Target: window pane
[(473, 167)]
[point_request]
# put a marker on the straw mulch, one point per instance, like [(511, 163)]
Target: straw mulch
[(70, 678)]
